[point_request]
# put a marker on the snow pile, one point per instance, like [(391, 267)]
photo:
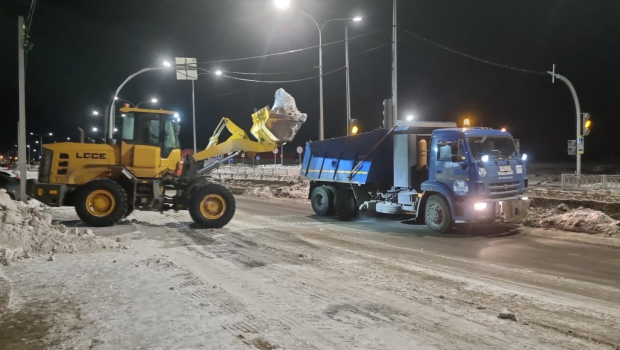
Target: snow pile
[(297, 190), (577, 220), (25, 232), (285, 104), (286, 119)]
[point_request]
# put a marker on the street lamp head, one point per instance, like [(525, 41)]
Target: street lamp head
[(357, 18), (122, 115), (34, 142), (154, 100), (115, 98), (95, 113), (410, 117), (68, 139), (31, 133), (115, 129), (51, 134), (95, 129), (282, 4), (218, 72), (166, 64)]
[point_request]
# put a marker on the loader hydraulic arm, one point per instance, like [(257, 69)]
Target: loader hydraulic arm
[(238, 142)]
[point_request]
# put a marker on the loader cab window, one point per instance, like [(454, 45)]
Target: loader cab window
[(152, 130)]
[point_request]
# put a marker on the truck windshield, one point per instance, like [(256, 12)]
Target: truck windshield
[(496, 147)]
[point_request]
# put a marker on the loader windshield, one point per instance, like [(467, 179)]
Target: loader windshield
[(151, 129)]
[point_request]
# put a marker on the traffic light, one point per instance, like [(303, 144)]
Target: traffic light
[(353, 126), (586, 124)]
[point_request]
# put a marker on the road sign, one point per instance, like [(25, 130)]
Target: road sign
[(300, 150), (580, 145), (257, 157), (186, 68), (275, 151), (243, 155), (230, 161)]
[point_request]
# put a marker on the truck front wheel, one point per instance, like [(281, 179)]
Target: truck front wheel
[(212, 206), (438, 215)]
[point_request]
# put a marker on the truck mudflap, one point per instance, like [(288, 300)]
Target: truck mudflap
[(512, 210)]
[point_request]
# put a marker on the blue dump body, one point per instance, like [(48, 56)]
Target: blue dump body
[(334, 160)]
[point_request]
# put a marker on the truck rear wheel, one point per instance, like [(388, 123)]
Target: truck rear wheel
[(438, 215), (322, 199), (101, 202), (212, 206), (345, 204)]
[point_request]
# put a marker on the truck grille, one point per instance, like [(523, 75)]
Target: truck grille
[(45, 167), (503, 189)]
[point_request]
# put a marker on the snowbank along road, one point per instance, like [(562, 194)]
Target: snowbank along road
[(278, 277)]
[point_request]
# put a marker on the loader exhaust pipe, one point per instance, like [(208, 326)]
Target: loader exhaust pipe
[(209, 168), (81, 135)]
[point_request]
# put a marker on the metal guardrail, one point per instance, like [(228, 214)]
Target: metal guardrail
[(258, 171), (571, 182)]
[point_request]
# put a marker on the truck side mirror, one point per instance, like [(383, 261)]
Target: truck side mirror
[(518, 145)]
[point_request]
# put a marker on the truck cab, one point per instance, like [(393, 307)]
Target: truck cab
[(479, 171)]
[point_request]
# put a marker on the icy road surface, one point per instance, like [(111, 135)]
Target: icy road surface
[(279, 277)]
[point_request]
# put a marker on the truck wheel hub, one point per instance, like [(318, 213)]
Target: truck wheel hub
[(319, 200), (435, 215), (100, 203), (213, 206)]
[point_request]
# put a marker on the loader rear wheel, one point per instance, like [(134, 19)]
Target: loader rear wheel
[(212, 206), (438, 215), (345, 204), (322, 199), (101, 202)]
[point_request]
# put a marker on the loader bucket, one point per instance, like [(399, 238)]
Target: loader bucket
[(271, 127)]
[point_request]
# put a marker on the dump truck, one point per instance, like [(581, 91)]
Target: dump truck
[(143, 170), (432, 171)]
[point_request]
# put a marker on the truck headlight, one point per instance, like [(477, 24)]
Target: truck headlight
[(480, 206)]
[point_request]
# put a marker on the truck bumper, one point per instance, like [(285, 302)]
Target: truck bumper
[(508, 209)]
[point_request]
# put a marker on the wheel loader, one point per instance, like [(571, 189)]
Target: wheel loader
[(143, 168)]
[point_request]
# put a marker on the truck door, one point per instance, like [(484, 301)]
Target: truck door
[(451, 165)]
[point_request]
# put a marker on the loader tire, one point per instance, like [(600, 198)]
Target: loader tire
[(345, 204), (322, 199), (212, 206), (438, 215), (130, 208), (101, 202)]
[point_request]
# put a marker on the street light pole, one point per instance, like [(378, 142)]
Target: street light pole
[(394, 66), (109, 125), (346, 50), (21, 136), (578, 113)]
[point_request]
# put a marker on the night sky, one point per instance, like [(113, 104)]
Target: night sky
[(84, 49)]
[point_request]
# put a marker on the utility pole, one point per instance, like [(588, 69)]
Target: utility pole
[(394, 65), (194, 114), (21, 136), (577, 111), (346, 45)]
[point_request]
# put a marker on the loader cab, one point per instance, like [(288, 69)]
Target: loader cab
[(149, 141)]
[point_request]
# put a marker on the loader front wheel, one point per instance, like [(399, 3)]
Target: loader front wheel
[(101, 202), (212, 206)]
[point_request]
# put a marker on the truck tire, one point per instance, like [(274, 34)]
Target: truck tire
[(101, 202), (212, 205), (322, 199), (438, 215), (345, 204)]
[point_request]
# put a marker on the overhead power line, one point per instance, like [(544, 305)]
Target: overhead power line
[(472, 57), (310, 69), (291, 51), (274, 81)]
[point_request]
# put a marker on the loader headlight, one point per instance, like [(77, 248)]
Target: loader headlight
[(480, 206), (484, 158)]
